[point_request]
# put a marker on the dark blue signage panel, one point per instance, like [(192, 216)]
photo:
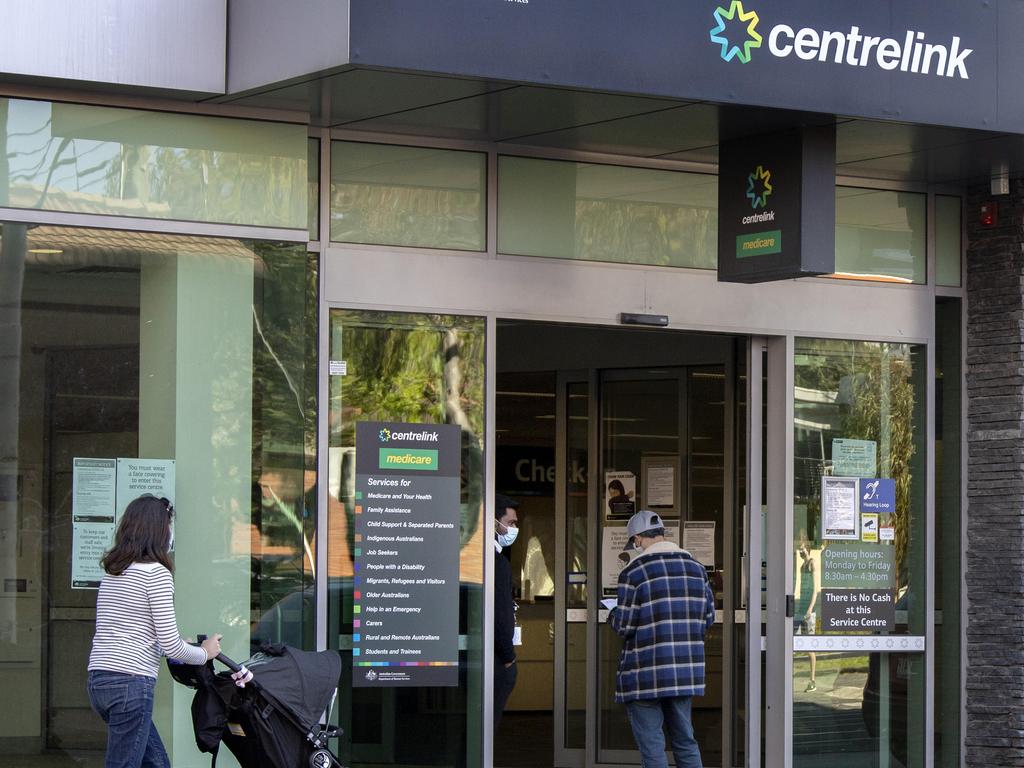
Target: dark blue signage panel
[(405, 592), (776, 206), (952, 62), (877, 495)]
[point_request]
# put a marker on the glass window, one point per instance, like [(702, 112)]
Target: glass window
[(948, 242), (161, 165), (859, 555), (422, 369), (568, 210), (108, 361), (412, 196), (881, 235)]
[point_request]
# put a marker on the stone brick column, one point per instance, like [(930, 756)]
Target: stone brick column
[(994, 683)]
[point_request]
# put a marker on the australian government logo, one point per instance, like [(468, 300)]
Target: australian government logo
[(736, 32)]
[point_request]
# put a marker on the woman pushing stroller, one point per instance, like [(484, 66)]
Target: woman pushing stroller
[(135, 626)]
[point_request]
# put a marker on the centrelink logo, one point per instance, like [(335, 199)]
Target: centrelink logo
[(426, 436), (736, 32), (759, 186)]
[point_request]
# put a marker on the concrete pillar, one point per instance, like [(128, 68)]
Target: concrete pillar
[(195, 406)]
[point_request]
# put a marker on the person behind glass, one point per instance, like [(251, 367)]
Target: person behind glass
[(505, 532), (805, 611), (664, 606), (135, 626)]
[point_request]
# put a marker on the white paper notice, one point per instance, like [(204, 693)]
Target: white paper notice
[(608, 603), (699, 541), (661, 491), (614, 558), (839, 508), (92, 519), (138, 476)]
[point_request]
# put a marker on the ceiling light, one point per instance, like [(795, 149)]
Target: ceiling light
[(48, 251)]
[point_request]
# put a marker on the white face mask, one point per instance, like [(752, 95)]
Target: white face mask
[(170, 541), (506, 539)]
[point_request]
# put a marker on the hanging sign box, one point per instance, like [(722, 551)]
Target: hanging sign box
[(776, 205)]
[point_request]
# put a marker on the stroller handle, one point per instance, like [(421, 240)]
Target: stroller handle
[(227, 662)]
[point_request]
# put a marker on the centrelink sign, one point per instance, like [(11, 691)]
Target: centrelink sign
[(776, 205), (403, 448), (736, 32), (943, 62)]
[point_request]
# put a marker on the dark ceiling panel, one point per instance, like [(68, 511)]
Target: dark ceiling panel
[(518, 112), (446, 107), (647, 135)]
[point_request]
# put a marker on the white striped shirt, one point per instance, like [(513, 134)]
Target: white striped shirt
[(135, 623)]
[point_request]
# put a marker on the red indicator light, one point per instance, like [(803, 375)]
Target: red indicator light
[(989, 214)]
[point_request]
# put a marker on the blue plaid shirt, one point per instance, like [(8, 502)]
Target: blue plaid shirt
[(665, 606)]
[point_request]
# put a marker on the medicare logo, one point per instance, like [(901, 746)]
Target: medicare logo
[(735, 31), (759, 187)]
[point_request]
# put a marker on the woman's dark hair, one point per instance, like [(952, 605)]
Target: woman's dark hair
[(142, 535), (617, 486)]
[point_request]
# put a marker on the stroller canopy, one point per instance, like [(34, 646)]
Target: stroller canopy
[(301, 681)]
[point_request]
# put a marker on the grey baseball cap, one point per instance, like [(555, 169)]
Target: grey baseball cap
[(644, 520)]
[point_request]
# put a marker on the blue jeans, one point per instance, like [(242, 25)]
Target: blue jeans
[(125, 702), (647, 716)]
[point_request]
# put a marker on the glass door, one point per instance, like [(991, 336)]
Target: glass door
[(664, 446), (859, 576), (413, 376), (846, 531)]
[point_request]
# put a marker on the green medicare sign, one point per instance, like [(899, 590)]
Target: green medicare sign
[(776, 205), (758, 244), (408, 458)]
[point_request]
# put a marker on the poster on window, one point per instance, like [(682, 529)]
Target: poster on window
[(840, 509), (93, 487), (616, 554), (620, 495)]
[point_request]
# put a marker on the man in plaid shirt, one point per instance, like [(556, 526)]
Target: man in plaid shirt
[(665, 605)]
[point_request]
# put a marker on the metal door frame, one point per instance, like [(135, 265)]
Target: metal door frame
[(778, 450)]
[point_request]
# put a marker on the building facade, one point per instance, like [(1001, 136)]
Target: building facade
[(756, 267)]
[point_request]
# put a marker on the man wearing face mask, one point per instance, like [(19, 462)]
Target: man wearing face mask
[(664, 607), (505, 532)]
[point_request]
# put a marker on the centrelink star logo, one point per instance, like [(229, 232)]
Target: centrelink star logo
[(384, 435), (759, 186), (749, 19)]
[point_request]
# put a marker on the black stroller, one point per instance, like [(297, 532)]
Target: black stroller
[(275, 721)]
